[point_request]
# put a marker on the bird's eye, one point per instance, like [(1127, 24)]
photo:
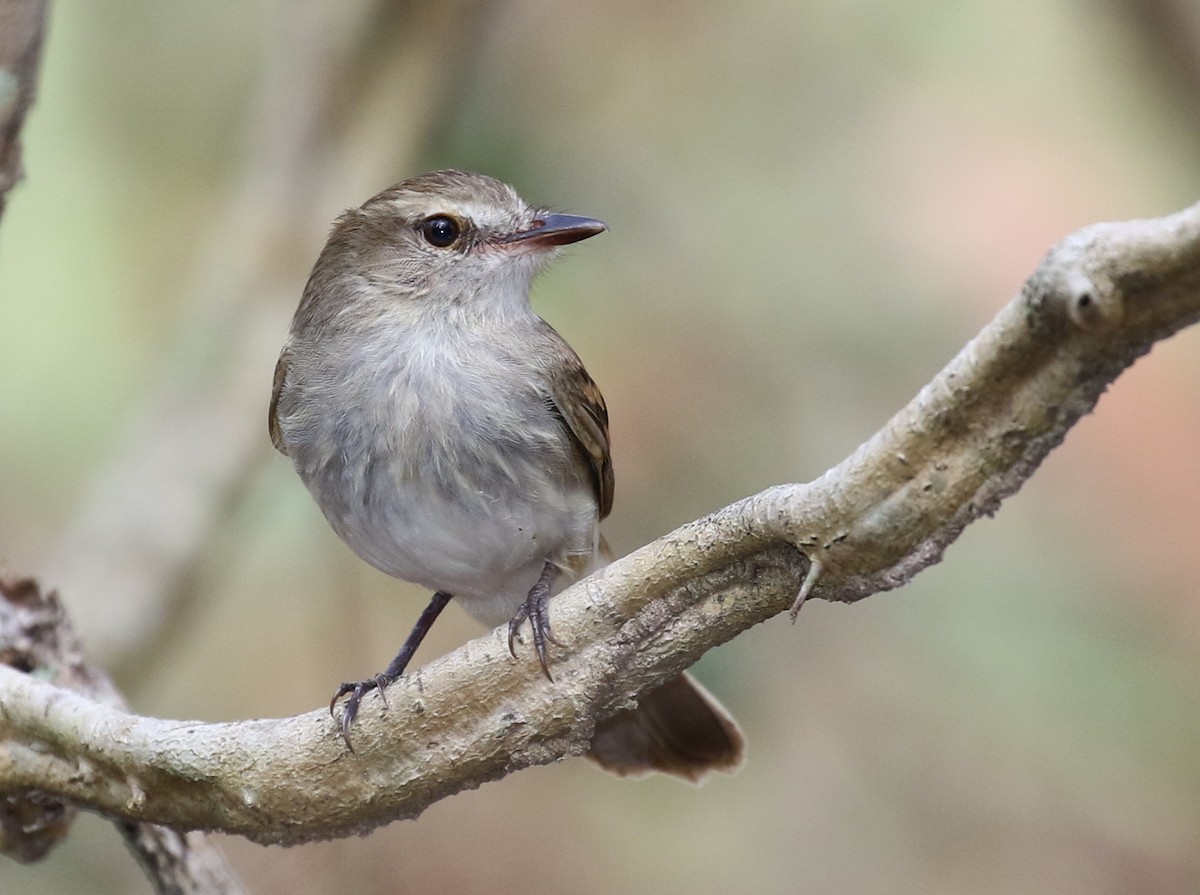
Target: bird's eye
[(440, 230)]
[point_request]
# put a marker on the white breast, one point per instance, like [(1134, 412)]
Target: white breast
[(469, 483)]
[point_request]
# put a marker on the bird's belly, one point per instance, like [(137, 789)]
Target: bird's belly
[(484, 544)]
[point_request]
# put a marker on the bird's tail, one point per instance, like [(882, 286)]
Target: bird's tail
[(679, 728)]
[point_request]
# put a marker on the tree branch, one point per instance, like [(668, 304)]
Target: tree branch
[(22, 23), (37, 638), (1098, 301), (969, 439)]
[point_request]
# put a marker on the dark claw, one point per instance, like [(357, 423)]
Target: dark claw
[(357, 691), (381, 683), (514, 625)]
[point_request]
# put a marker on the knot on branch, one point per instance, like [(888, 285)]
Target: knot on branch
[(1091, 306)]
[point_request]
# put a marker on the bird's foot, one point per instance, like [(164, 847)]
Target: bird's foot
[(535, 609), (356, 691)]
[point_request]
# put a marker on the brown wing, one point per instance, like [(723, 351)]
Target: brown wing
[(578, 401), (276, 390)]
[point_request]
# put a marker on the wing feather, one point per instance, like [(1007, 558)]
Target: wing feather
[(577, 400), (281, 368)]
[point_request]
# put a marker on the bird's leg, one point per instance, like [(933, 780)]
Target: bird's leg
[(359, 689), (535, 608)]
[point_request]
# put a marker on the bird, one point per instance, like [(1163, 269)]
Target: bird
[(453, 439)]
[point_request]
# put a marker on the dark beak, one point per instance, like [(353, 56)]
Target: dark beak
[(557, 230)]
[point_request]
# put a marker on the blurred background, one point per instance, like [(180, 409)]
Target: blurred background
[(812, 206)]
